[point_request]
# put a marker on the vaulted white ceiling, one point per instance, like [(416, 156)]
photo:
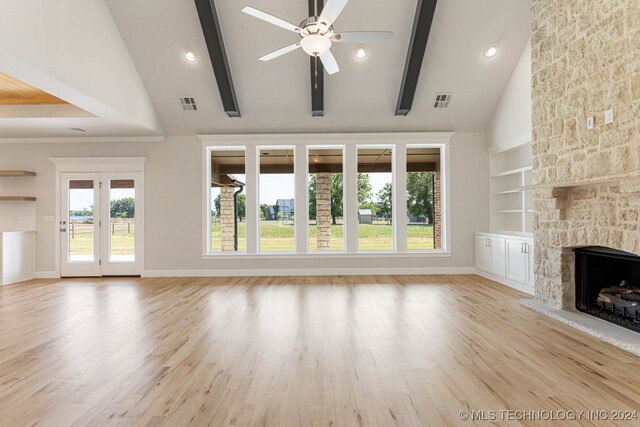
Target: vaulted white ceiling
[(275, 96)]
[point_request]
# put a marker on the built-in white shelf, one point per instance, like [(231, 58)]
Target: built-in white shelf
[(511, 200), (507, 192), (512, 172), (508, 211)]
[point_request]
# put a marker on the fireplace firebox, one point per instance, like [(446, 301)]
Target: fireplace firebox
[(608, 285)]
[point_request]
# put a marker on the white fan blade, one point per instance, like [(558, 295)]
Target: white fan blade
[(280, 52), (329, 62), (363, 37), (332, 10), (270, 19)]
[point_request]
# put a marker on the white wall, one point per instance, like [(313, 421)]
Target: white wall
[(510, 124), (173, 205)]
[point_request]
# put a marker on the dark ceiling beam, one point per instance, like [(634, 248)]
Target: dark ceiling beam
[(417, 48), (317, 70), (215, 45)]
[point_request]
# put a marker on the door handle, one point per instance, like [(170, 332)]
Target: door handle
[(63, 230)]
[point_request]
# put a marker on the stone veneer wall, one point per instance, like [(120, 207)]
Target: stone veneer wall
[(227, 218), (585, 60), (437, 212), (323, 210)]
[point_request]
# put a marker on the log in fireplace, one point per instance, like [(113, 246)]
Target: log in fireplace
[(608, 285)]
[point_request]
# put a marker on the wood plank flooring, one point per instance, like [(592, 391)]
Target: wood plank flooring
[(298, 351)]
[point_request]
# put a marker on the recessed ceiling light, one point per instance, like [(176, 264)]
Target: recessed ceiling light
[(361, 52), (190, 55), (491, 51)]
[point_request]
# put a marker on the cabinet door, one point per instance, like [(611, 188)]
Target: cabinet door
[(498, 256), (517, 259), (483, 253), (531, 264)]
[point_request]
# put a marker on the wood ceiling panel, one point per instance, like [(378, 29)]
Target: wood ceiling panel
[(16, 92)]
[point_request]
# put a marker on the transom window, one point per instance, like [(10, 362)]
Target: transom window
[(303, 198)]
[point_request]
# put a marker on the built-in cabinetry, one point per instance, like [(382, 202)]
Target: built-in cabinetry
[(506, 259), (17, 256), (511, 198)]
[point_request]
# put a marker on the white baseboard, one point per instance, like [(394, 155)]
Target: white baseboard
[(507, 282), (47, 275), (310, 272)]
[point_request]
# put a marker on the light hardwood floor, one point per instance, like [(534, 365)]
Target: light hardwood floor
[(341, 351)]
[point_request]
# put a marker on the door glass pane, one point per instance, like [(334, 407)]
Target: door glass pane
[(122, 196), (277, 188), (81, 228), (228, 201), (326, 187), (423, 198), (375, 199)]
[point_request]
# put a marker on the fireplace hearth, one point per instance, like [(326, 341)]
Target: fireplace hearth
[(608, 285)]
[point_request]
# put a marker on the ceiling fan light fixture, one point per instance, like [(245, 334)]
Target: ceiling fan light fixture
[(491, 51), (315, 45), (190, 55), (361, 52)]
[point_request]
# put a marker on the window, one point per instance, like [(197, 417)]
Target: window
[(122, 225), (326, 204), (277, 199), (228, 201), (424, 209), (375, 199), (355, 195)]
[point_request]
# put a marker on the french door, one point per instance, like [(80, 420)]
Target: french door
[(101, 225)]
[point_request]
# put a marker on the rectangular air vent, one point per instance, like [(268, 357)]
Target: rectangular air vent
[(188, 103), (442, 100)]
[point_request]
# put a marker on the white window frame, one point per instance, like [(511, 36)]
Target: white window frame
[(394, 178), (296, 187), (444, 206), (301, 143), (207, 218)]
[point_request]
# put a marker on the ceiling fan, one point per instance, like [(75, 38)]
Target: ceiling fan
[(317, 34)]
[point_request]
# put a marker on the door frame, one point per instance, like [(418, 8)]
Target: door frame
[(83, 268), (97, 165)]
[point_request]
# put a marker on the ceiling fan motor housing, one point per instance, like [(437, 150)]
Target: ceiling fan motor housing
[(316, 36)]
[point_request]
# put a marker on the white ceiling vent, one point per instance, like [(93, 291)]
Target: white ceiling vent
[(188, 103), (442, 100)]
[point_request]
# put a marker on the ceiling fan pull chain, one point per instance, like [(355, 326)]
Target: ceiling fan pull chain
[(315, 71)]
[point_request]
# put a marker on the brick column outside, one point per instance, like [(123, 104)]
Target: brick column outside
[(227, 218), (437, 211), (323, 210)]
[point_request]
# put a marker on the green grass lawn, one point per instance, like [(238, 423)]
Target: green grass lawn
[(279, 236), (81, 239), (274, 236)]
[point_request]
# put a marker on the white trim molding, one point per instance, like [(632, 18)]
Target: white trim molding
[(310, 272), (80, 139), (99, 164)]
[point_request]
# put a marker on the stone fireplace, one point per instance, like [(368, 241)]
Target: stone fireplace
[(586, 182), (604, 214)]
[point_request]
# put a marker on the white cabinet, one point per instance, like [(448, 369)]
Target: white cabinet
[(483, 253), (490, 254), (17, 256), (506, 259), (517, 260)]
